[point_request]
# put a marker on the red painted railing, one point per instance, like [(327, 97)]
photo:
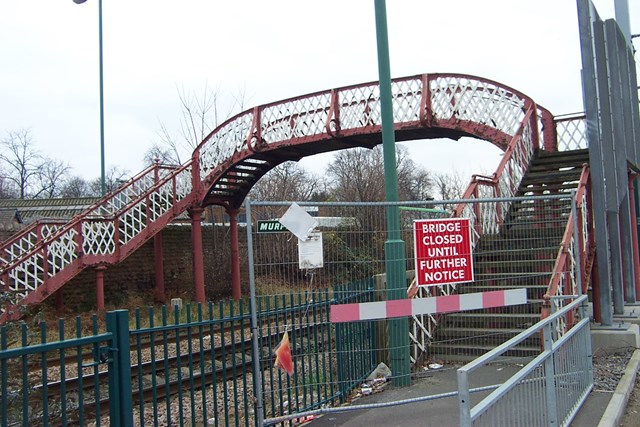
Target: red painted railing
[(572, 266), (105, 234)]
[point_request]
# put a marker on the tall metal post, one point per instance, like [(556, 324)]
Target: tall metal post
[(257, 379), (398, 329), (235, 254), (103, 185)]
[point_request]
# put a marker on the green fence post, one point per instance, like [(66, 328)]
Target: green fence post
[(120, 402)]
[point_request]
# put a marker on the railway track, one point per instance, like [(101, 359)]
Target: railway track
[(207, 366)]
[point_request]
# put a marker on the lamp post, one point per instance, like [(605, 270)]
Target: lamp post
[(103, 186), (398, 329)]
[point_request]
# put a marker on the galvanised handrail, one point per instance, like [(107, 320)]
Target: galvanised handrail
[(107, 233), (552, 402), (570, 269)]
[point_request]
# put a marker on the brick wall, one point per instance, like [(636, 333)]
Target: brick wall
[(132, 281)]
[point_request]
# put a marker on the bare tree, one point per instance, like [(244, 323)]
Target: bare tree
[(26, 169), (288, 181), (449, 186), (358, 175), (166, 156), (200, 115), (76, 186), (7, 188), (51, 177), (114, 178), (20, 160)]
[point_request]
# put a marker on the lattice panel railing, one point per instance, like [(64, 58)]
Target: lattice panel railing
[(43, 255), (571, 132), (306, 116), (504, 183), (230, 138), (570, 263), (477, 101), (27, 240), (356, 109)]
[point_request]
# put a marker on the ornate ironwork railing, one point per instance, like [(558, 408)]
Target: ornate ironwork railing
[(40, 260), (572, 265)]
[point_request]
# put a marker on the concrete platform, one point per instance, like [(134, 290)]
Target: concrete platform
[(601, 409), (611, 338)]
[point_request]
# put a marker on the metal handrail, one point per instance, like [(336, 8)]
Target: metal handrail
[(574, 228)]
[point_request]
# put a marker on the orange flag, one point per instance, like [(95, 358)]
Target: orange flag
[(283, 355)]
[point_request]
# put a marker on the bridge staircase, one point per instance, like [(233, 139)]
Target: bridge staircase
[(521, 255), (40, 259)]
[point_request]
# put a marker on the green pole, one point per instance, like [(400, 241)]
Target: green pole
[(103, 186), (397, 329)]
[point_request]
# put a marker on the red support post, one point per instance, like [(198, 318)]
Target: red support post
[(158, 263), (100, 287), (235, 254), (196, 252)]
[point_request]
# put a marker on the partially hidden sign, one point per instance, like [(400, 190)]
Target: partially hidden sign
[(443, 251)]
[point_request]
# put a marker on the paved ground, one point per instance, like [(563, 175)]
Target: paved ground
[(441, 412)]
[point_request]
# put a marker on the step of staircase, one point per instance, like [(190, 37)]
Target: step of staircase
[(522, 255)]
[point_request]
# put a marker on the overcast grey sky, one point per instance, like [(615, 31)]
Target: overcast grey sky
[(270, 50)]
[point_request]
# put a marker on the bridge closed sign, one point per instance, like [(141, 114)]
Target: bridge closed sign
[(442, 250)]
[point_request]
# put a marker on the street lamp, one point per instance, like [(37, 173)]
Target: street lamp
[(103, 186)]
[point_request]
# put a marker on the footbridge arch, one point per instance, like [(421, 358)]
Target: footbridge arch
[(234, 156)]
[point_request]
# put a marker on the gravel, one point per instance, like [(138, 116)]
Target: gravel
[(608, 368)]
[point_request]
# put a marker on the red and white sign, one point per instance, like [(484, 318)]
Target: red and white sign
[(443, 251)]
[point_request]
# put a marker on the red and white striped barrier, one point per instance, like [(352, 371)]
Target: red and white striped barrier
[(411, 307)]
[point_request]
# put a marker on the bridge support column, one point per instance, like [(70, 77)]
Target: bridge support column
[(100, 287), (235, 255), (196, 253), (158, 263)]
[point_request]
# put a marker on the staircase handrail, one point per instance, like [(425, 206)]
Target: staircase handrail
[(91, 215), (571, 131), (504, 182), (569, 266), (34, 229), (20, 244), (93, 239)]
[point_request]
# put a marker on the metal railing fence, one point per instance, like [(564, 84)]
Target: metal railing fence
[(190, 365), (547, 391), (70, 381), (520, 253)]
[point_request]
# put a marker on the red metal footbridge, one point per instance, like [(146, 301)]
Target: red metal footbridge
[(42, 258)]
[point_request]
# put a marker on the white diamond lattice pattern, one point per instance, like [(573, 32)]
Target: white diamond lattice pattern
[(571, 134), (98, 237), (132, 222), (61, 252), (295, 119), (229, 139), (476, 101)]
